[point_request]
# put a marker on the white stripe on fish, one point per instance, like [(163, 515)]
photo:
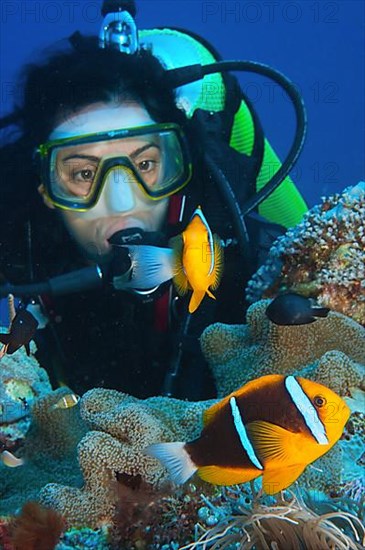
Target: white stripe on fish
[(306, 409), (242, 434)]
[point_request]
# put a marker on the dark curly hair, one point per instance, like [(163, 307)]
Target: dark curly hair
[(72, 80), (53, 90)]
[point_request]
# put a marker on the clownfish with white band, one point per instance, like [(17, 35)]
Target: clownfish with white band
[(274, 427)]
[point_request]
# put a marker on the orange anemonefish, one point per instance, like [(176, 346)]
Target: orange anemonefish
[(272, 427), (198, 260), (67, 401)]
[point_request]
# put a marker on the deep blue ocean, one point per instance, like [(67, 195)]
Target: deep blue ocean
[(319, 45)]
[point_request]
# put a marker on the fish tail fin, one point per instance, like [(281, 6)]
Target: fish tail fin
[(320, 311), (218, 263), (151, 266), (5, 338), (196, 299), (175, 458)]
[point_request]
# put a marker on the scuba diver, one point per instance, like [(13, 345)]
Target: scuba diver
[(120, 144)]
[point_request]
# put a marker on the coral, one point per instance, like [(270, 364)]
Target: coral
[(330, 350), (155, 519), (49, 451), (121, 428), (284, 524), (36, 528), (5, 541), (323, 257), (84, 538), (22, 382)]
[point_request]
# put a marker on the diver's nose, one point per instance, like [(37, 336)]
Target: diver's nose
[(119, 190)]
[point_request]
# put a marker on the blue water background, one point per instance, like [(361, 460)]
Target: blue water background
[(318, 44)]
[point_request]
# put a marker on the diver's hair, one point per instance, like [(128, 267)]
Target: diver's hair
[(55, 89), (71, 80)]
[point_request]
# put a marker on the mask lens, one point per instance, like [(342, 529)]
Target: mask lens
[(72, 173), (156, 159)]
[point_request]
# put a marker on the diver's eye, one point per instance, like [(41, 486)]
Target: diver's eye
[(146, 165), (84, 175), (319, 401)]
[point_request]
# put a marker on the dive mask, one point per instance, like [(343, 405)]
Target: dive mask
[(153, 157)]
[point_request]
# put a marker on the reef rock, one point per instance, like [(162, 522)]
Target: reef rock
[(22, 382), (323, 257), (48, 451)]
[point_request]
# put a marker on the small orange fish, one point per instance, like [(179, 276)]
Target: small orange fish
[(198, 260), (67, 401), (273, 427)]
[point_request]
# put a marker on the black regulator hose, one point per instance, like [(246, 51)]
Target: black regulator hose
[(76, 281), (184, 75)]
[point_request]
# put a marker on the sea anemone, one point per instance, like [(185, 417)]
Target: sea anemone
[(288, 524)]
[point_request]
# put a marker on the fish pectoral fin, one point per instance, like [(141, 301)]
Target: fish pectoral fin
[(216, 275), (272, 443), (179, 278), (277, 480), (227, 476), (196, 300)]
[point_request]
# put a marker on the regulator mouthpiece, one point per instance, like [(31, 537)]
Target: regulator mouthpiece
[(141, 261)]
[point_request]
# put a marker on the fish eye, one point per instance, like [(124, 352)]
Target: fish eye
[(319, 401)]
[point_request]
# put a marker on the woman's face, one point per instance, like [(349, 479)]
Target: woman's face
[(117, 208)]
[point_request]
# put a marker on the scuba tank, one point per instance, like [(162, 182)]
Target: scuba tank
[(215, 94)]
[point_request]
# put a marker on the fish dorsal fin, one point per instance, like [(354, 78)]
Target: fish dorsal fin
[(179, 277), (210, 413), (218, 263), (227, 476), (273, 444), (251, 386), (247, 388), (277, 480)]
